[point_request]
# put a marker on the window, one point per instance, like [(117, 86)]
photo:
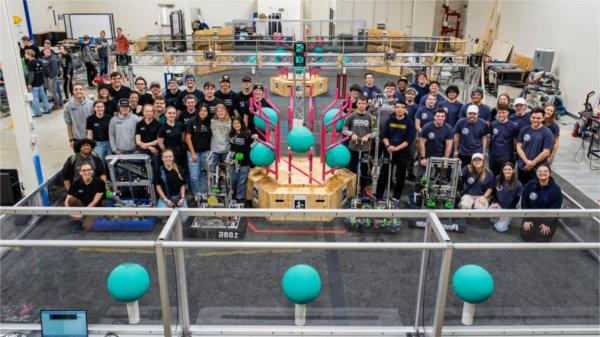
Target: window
[(165, 12)]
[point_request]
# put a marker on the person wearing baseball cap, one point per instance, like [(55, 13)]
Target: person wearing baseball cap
[(190, 88), (226, 95), (521, 116), (155, 90), (121, 131), (485, 112), (83, 153), (242, 101), (470, 136), (477, 183)]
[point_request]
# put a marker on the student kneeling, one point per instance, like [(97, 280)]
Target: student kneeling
[(85, 192), (477, 183), (540, 193), (170, 184)]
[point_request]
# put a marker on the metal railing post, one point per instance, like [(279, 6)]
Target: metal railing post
[(424, 258), (182, 293), (444, 279), (163, 288)]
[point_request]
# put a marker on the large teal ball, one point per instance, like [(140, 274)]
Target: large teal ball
[(300, 139), (329, 115), (128, 282), (301, 284), (261, 155), (472, 283), (338, 156), (271, 115)]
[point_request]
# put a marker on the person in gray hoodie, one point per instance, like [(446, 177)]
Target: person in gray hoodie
[(361, 127), (121, 131), (76, 113), (52, 71)]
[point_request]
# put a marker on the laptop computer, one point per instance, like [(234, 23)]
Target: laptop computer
[(64, 323)]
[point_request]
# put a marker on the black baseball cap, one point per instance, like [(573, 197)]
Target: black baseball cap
[(225, 78), (124, 102), (154, 84), (103, 86), (258, 86), (246, 79)]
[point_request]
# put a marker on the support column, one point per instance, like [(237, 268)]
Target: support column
[(16, 90)]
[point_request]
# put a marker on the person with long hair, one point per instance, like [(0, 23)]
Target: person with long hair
[(134, 103), (550, 123), (97, 126), (540, 193), (146, 134), (240, 139), (503, 99), (220, 127), (477, 184), (110, 105), (506, 195), (170, 136), (170, 184), (198, 138)]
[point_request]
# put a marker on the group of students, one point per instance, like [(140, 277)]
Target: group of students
[(178, 128), (505, 152)]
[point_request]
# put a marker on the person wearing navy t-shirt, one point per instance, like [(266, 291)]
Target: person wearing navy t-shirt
[(503, 134), (485, 112), (470, 136), (411, 106), (435, 138), (477, 184), (401, 89), (521, 117), (398, 134), (540, 193), (451, 105), (370, 90), (421, 86), (506, 195), (550, 123), (425, 113), (503, 99), (434, 89), (534, 145)]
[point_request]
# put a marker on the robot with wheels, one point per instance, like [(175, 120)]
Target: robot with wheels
[(131, 181), (437, 189), (220, 195)]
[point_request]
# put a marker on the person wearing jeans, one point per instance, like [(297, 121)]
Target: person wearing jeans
[(170, 185), (52, 72), (240, 141), (197, 139), (97, 126), (35, 83)]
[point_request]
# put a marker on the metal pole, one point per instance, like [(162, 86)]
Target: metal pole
[(163, 288), (16, 93), (182, 293), (440, 303), (424, 257)]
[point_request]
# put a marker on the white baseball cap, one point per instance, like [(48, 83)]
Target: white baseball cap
[(520, 100), (477, 155), (473, 108)]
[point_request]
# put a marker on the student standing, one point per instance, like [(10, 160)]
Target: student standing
[(102, 49), (503, 136), (172, 93), (240, 140), (534, 145), (117, 90), (121, 130), (97, 126), (420, 86), (226, 95), (140, 87), (75, 114), (550, 123), (220, 127), (370, 90), (35, 83), (170, 136), (485, 112), (146, 135), (521, 116), (66, 64), (451, 105), (434, 89), (88, 60), (470, 136), (198, 138), (435, 138)]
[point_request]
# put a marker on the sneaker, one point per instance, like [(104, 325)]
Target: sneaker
[(36, 116), (55, 107)]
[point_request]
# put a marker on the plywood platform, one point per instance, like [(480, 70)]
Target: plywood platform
[(266, 192), (280, 85)]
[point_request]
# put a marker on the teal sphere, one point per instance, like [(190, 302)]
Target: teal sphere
[(128, 282), (473, 283), (270, 114), (301, 284), (300, 139), (261, 155), (329, 115), (338, 156)]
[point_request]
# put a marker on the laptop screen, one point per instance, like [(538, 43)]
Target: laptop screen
[(64, 323)]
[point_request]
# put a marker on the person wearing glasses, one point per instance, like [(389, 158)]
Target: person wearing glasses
[(85, 192)]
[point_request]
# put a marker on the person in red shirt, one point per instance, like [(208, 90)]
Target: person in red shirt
[(122, 47)]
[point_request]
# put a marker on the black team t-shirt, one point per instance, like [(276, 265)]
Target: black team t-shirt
[(228, 99), (148, 132), (200, 132), (146, 98), (172, 135), (180, 102), (212, 105), (185, 117), (99, 127), (173, 181), (117, 95), (86, 193)]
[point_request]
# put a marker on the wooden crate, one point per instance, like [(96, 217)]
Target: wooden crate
[(522, 61), (213, 39), (374, 40), (140, 44), (281, 85), (213, 68)]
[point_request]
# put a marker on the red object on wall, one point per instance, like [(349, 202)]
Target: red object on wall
[(450, 30)]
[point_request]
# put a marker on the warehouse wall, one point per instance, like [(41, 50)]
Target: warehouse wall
[(571, 28)]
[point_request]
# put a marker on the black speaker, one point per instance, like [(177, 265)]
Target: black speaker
[(10, 187)]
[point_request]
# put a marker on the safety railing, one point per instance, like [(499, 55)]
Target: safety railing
[(203, 287)]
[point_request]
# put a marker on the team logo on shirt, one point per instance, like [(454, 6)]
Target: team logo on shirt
[(431, 135), (80, 191), (498, 188), (526, 137), (495, 131), (532, 196), (359, 122), (465, 131), (471, 180), (445, 109), (96, 124), (142, 128), (423, 115)]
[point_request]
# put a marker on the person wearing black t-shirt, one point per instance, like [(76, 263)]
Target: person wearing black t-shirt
[(35, 83), (140, 87), (146, 134), (172, 94), (197, 138), (242, 102), (226, 95), (85, 192), (66, 64), (190, 88), (110, 105), (84, 154), (170, 136), (155, 91), (28, 44), (210, 99), (134, 103), (117, 89), (258, 93), (189, 110), (170, 184), (97, 126), (354, 93), (240, 140)]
